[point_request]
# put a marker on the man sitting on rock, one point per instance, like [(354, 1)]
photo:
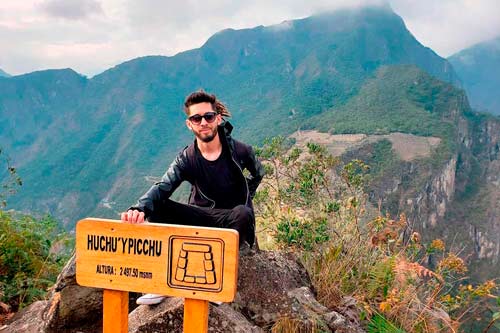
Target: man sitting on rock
[(221, 195)]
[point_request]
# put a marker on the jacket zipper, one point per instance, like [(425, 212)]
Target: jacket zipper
[(203, 194)]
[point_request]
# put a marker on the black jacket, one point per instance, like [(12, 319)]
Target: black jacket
[(184, 168)]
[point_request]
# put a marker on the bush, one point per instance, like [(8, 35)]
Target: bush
[(32, 253), (10, 178), (32, 250)]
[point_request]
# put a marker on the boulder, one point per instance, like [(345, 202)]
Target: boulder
[(70, 308), (273, 290), (29, 319), (168, 317), (264, 280)]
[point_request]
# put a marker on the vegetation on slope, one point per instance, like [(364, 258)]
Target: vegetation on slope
[(396, 99), (32, 256), (32, 253), (400, 284)]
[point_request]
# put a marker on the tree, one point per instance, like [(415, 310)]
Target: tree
[(10, 178)]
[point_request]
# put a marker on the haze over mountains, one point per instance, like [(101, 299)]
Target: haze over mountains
[(479, 69), (91, 147)]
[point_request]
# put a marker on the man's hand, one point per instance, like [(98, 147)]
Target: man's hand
[(132, 216)]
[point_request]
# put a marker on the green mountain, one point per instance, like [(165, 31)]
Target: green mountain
[(479, 69), (95, 144), (395, 99), (91, 147), (3, 74)]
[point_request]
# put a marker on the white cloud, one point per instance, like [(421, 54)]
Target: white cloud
[(91, 36), (71, 10), (448, 26)]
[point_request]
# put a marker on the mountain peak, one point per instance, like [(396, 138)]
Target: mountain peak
[(55, 72), (368, 36), (486, 45), (479, 69)]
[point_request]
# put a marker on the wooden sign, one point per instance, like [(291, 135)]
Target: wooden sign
[(172, 260)]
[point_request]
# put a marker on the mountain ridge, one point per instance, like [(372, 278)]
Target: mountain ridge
[(4, 74), (90, 147), (310, 69), (479, 69)]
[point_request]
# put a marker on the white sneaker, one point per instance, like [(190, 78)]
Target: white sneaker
[(150, 299)]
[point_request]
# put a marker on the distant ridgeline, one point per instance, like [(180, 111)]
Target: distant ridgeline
[(479, 69), (90, 147), (3, 74)]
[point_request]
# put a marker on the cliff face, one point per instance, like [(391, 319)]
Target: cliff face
[(433, 201), (441, 170), (484, 194), (457, 199)]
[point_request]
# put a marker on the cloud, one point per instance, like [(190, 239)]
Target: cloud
[(448, 26), (91, 36), (169, 27), (71, 10)]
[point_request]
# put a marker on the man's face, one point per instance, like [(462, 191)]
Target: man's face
[(204, 131)]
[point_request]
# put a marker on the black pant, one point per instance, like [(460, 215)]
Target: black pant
[(241, 218)]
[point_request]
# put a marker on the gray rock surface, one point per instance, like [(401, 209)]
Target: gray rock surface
[(71, 307), (168, 317), (263, 284), (29, 319)]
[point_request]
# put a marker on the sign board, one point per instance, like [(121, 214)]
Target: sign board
[(167, 259)]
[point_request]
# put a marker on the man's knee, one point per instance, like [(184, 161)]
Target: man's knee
[(242, 214), (242, 219)]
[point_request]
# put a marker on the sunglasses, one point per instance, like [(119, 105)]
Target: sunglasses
[(209, 117)]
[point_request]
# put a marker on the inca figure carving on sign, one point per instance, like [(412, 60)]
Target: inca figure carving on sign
[(190, 253), (196, 263)]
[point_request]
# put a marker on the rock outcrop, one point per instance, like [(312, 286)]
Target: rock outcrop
[(273, 290), (168, 317)]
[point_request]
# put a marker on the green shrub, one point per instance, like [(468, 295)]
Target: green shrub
[(302, 234), (32, 253), (10, 179)]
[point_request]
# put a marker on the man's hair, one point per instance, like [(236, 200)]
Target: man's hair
[(202, 96)]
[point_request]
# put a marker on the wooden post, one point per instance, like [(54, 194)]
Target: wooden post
[(115, 311), (195, 316)]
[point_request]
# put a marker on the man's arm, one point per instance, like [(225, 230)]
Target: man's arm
[(160, 191), (256, 172)]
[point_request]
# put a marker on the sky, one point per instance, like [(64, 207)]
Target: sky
[(91, 36)]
